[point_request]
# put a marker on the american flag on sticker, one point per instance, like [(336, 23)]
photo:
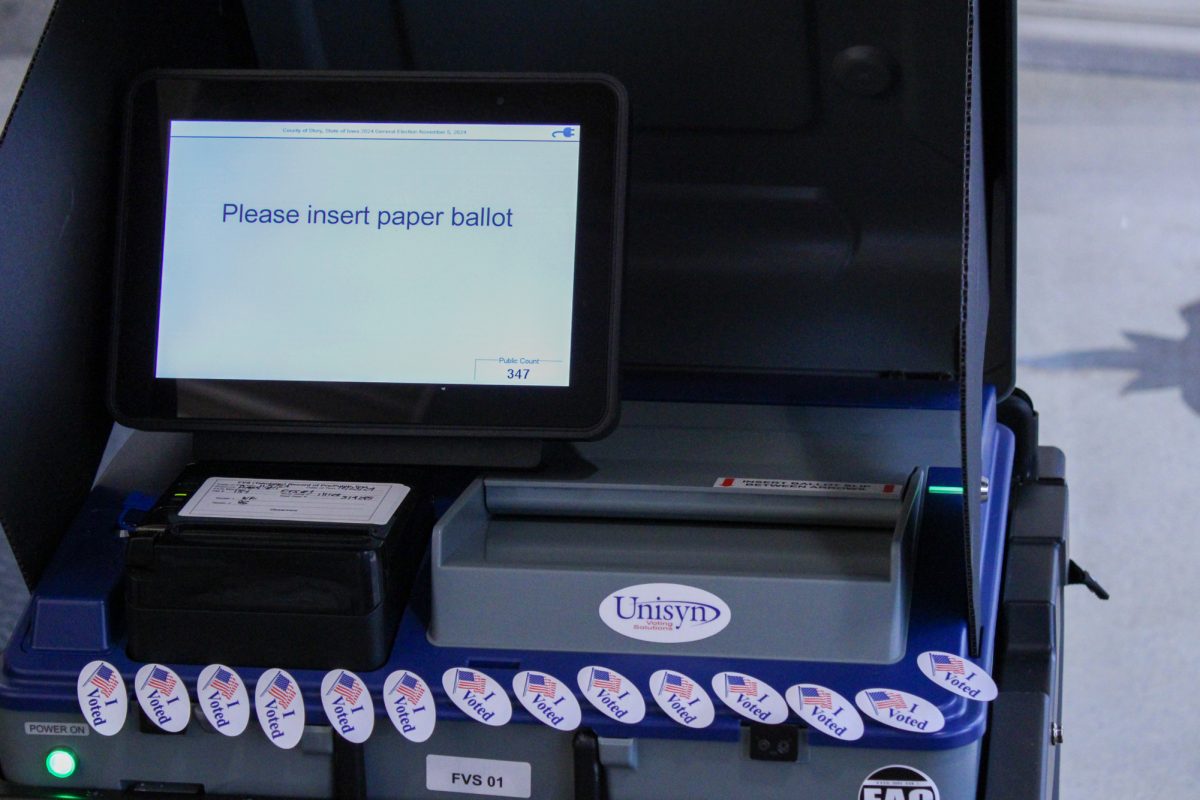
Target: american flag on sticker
[(224, 682), (282, 690), (678, 685), (161, 679), (947, 664), (347, 687), (105, 680), (603, 679), (543, 685), (811, 696), (884, 699), (410, 687), (739, 684), (471, 681)]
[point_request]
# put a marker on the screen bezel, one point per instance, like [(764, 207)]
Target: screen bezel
[(584, 409)]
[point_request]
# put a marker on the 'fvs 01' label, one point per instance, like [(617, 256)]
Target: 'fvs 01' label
[(223, 699), (280, 708), (548, 699), (409, 704), (682, 699), (478, 696), (664, 612), (900, 710), (163, 697), (612, 694), (824, 710), (348, 705), (484, 776), (102, 697), (755, 700), (958, 675)]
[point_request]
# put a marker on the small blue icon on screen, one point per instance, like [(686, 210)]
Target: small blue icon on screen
[(565, 133)]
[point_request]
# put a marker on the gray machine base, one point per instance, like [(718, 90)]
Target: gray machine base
[(635, 769)]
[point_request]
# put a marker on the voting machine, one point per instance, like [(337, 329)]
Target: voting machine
[(600, 401)]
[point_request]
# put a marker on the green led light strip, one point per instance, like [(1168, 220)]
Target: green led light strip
[(945, 490)]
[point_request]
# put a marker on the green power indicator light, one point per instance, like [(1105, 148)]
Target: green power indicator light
[(181, 494), (61, 762), (945, 490)]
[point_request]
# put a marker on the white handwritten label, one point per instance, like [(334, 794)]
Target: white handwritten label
[(824, 710), (102, 697), (682, 699), (485, 776), (754, 699), (366, 503), (348, 705), (410, 705), (478, 696), (163, 697), (280, 708), (222, 696), (612, 694), (548, 699), (958, 675)]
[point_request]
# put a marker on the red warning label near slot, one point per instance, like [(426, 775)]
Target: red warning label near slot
[(818, 488)]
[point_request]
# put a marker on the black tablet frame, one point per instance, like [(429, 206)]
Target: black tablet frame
[(585, 409)]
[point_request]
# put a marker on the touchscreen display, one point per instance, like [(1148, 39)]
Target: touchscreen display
[(427, 253)]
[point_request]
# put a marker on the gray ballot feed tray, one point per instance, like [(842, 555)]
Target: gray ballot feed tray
[(520, 563)]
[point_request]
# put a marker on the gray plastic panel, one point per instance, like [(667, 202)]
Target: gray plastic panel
[(635, 770), (563, 546)]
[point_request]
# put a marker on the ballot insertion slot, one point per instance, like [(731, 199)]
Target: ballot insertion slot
[(836, 567)]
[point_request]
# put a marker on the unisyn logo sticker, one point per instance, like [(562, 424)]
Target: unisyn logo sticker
[(664, 612)]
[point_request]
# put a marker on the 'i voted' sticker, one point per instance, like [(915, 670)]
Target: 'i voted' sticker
[(223, 699), (750, 697), (280, 708), (163, 697), (612, 694), (102, 697), (478, 696), (956, 674), (548, 699), (900, 710), (348, 705), (409, 704), (824, 710), (682, 699)]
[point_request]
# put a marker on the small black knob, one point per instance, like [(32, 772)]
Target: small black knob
[(865, 70)]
